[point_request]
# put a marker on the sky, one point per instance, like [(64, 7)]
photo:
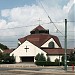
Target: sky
[(19, 17)]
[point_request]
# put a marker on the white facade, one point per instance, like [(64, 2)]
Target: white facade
[(21, 51), (54, 57), (46, 44), (32, 51)]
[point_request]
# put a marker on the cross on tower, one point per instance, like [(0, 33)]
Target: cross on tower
[(26, 48), (39, 21)]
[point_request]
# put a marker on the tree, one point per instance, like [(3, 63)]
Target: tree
[(48, 59), (57, 60), (37, 57), (0, 56), (40, 57), (3, 47), (7, 59), (72, 56)]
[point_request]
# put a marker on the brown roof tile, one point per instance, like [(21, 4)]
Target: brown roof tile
[(8, 51), (39, 39), (39, 28), (57, 51)]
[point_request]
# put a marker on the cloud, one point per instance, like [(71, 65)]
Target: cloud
[(5, 13), (2, 23), (28, 15), (67, 7)]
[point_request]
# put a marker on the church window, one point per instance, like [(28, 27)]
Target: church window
[(51, 44)]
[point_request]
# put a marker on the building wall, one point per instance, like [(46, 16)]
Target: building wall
[(21, 51), (53, 57), (46, 44)]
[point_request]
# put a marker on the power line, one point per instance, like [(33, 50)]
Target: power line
[(35, 25), (50, 18)]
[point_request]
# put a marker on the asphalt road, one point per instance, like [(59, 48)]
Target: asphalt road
[(31, 71)]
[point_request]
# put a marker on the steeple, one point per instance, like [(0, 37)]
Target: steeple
[(39, 30)]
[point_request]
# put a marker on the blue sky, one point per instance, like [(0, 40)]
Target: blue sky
[(6, 4), (21, 13)]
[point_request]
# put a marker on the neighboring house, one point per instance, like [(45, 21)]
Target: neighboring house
[(7, 51), (39, 41)]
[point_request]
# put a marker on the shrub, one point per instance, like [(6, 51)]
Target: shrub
[(57, 60), (40, 57), (48, 59), (43, 63), (7, 59)]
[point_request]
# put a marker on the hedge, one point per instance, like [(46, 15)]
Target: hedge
[(43, 63)]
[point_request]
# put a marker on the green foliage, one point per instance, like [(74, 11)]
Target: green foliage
[(43, 63), (40, 57), (7, 59), (48, 59), (57, 60), (3, 47), (0, 56), (41, 60), (72, 56), (37, 57)]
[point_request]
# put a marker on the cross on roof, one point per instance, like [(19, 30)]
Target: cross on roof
[(39, 21), (26, 48)]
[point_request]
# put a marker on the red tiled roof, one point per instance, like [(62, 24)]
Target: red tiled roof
[(39, 39), (39, 28), (57, 51), (8, 51)]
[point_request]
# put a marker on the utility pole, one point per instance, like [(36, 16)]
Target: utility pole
[(65, 62)]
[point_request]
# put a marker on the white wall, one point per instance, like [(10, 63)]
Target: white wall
[(21, 51), (46, 44), (53, 57)]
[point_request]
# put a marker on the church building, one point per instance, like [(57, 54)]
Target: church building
[(39, 41)]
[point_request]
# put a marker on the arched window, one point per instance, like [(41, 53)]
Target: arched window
[(51, 44)]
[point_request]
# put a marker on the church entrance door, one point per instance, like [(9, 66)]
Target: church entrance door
[(27, 59)]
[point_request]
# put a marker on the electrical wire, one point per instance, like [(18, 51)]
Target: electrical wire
[(50, 18)]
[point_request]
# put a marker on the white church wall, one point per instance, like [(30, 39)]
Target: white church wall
[(53, 57), (46, 44), (21, 51), (17, 59)]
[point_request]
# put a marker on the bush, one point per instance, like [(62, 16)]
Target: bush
[(57, 60), (7, 59), (40, 57), (43, 63), (48, 59), (70, 63)]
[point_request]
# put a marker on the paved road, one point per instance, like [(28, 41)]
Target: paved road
[(33, 71)]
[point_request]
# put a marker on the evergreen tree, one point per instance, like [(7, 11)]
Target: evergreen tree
[(3, 47), (72, 56), (40, 57), (37, 57), (48, 59)]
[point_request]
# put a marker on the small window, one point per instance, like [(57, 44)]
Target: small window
[(51, 44)]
